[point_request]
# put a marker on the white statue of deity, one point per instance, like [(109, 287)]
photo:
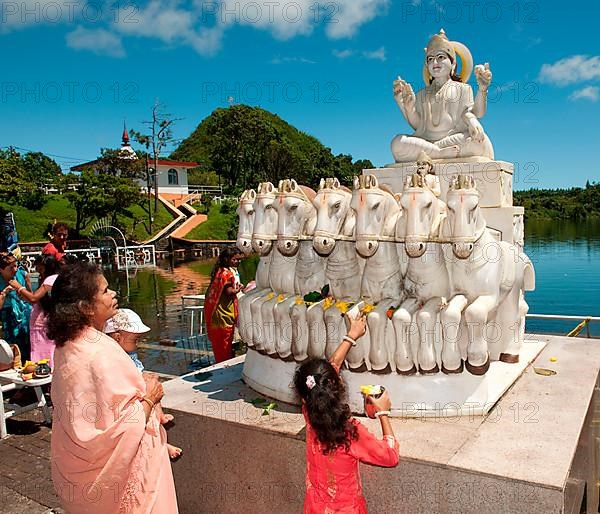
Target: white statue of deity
[(444, 114)]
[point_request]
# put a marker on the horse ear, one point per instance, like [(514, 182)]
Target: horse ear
[(356, 182), (321, 184), (373, 181), (293, 185), (336, 183), (252, 194)]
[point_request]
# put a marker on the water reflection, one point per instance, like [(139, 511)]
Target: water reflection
[(565, 255)]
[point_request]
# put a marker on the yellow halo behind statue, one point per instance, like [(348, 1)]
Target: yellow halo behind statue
[(466, 63)]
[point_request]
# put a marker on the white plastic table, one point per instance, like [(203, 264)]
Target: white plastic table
[(11, 380)]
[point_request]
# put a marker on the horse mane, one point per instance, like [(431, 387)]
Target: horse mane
[(310, 193)]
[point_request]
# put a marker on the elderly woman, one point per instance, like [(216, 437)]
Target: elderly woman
[(109, 450), (14, 311)]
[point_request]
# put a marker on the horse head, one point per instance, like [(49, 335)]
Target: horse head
[(376, 211), (245, 212), (265, 219), (335, 218), (465, 223), (296, 214), (422, 216)]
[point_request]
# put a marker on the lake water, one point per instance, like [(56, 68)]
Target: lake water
[(565, 256)]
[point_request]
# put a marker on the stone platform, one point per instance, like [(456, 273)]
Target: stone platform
[(534, 452), (438, 395)]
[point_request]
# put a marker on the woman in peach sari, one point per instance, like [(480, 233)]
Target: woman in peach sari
[(109, 450)]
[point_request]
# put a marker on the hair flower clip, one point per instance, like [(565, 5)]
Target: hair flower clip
[(310, 382)]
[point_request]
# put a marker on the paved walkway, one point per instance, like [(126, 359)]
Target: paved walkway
[(188, 225), (25, 483)]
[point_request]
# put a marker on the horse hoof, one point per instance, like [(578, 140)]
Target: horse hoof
[(384, 371), (361, 369), (453, 371), (478, 370), (287, 358), (431, 371), (408, 372), (509, 357)]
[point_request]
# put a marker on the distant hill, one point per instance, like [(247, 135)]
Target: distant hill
[(245, 145), (575, 203)]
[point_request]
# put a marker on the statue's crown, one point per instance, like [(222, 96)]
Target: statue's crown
[(439, 43)]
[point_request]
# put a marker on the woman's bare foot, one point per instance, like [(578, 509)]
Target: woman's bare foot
[(174, 451), (166, 418)]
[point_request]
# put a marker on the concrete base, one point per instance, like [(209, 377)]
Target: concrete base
[(534, 452), (493, 178), (412, 396)]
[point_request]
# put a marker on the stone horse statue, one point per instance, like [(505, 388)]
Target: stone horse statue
[(487, 278), (297, 218), (334, 238), (426, 281), (245, 212), (377, 211)]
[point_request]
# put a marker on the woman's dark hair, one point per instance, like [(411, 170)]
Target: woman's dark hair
[(328, 413), (74, 289), (223, 260), (51, 265), (58, 225), (6, 259)]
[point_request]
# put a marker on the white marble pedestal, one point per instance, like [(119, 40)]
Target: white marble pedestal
[(436, 395), (534, 452)]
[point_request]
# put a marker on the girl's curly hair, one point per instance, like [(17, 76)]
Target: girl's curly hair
[(328, 412), (73, 291)]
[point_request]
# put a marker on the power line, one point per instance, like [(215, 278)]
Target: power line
[(64, 157)]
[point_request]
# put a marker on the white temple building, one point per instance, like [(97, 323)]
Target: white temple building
[(172, 175)]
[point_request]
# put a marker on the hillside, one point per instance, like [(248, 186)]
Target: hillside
[(573, 204), (246, 145)]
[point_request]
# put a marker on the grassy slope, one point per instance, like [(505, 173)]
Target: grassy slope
[(219, 225), (31, 225)]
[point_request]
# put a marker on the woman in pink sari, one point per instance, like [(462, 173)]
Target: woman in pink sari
[(109, 450)]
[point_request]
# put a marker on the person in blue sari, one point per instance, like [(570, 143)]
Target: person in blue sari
[(14, 311)]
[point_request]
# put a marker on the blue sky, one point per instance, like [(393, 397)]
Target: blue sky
[(73, 70)]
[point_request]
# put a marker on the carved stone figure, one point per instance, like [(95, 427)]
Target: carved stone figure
[(296, 222), (487, 278), (444, 114), (334, 238), (376, 215), (426, 283)]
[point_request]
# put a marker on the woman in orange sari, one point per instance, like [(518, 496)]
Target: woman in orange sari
[(221, 305), (108, 449)]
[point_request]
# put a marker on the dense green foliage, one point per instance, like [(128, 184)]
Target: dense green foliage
[(22, 177), (246, 145), (574, 204), (33, 225)]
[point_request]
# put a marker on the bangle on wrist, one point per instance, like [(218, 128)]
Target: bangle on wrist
[(382, 413), (20, 289), (351, 340)]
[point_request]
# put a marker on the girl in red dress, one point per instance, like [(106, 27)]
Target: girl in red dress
[(221, 305), (335, 441)]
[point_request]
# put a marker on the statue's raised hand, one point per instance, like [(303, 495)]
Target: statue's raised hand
[(403, 92), (483, 74)]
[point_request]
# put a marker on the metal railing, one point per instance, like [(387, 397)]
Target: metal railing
[(92, 254), (584, 321), (130, 257)]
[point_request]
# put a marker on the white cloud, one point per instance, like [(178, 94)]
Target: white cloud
[(378, 54), (99, 41), (591, 93), (349, 15), (343, 54), (569, 70)]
